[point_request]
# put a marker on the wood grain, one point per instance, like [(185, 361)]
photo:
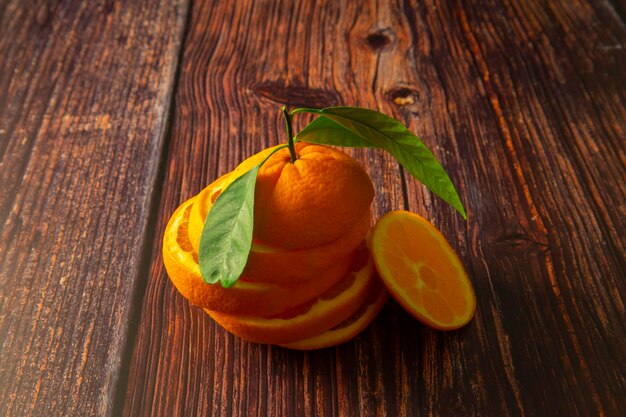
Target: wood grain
[(85, 90), (522, 101)]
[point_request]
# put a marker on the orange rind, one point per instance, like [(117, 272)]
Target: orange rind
[(312, 201), (273, 265)]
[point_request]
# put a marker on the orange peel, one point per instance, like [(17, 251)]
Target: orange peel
[(310, 202)]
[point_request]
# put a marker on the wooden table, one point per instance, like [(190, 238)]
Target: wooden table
[(112, 113)]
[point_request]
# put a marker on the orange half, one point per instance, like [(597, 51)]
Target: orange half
[(421, 270)]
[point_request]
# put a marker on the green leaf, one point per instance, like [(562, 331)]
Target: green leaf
[(325, 131), (384, 132), (227, 234)]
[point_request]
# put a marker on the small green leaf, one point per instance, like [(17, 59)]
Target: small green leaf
[(325, 131), (227, 234), (384, 132)]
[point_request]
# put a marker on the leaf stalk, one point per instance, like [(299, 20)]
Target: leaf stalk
[(288, 123)]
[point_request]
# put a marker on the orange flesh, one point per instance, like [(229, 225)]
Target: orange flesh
[(422, 271)]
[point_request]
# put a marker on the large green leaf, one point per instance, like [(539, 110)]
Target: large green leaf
[(227, 234), (384, 132), (325, 131)]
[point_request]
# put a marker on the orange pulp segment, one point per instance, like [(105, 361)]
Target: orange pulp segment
[(421, 270)]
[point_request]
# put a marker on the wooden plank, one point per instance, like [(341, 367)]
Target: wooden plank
[(85, 89), (522, 102)]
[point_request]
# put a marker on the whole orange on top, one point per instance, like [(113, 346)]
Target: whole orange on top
[(312, 201), (309, 215)]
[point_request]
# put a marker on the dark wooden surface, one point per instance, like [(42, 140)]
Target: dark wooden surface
[(85, 92), (522, 101)]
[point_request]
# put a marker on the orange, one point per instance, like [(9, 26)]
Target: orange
[(350, 327), (324, 193), (277, 265), (421, 270), (321, 256), (243, 297), (311, 202), (311, 318)]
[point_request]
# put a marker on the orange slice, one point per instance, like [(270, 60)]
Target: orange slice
[(421, 271), (350, 327), (244, 297), (311, 318)]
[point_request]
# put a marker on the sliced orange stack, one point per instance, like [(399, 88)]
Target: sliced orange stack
[(310, 281)]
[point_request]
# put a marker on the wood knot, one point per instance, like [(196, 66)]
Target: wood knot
[(296, 95), (520, 242), (379, 39), (403, 96)]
